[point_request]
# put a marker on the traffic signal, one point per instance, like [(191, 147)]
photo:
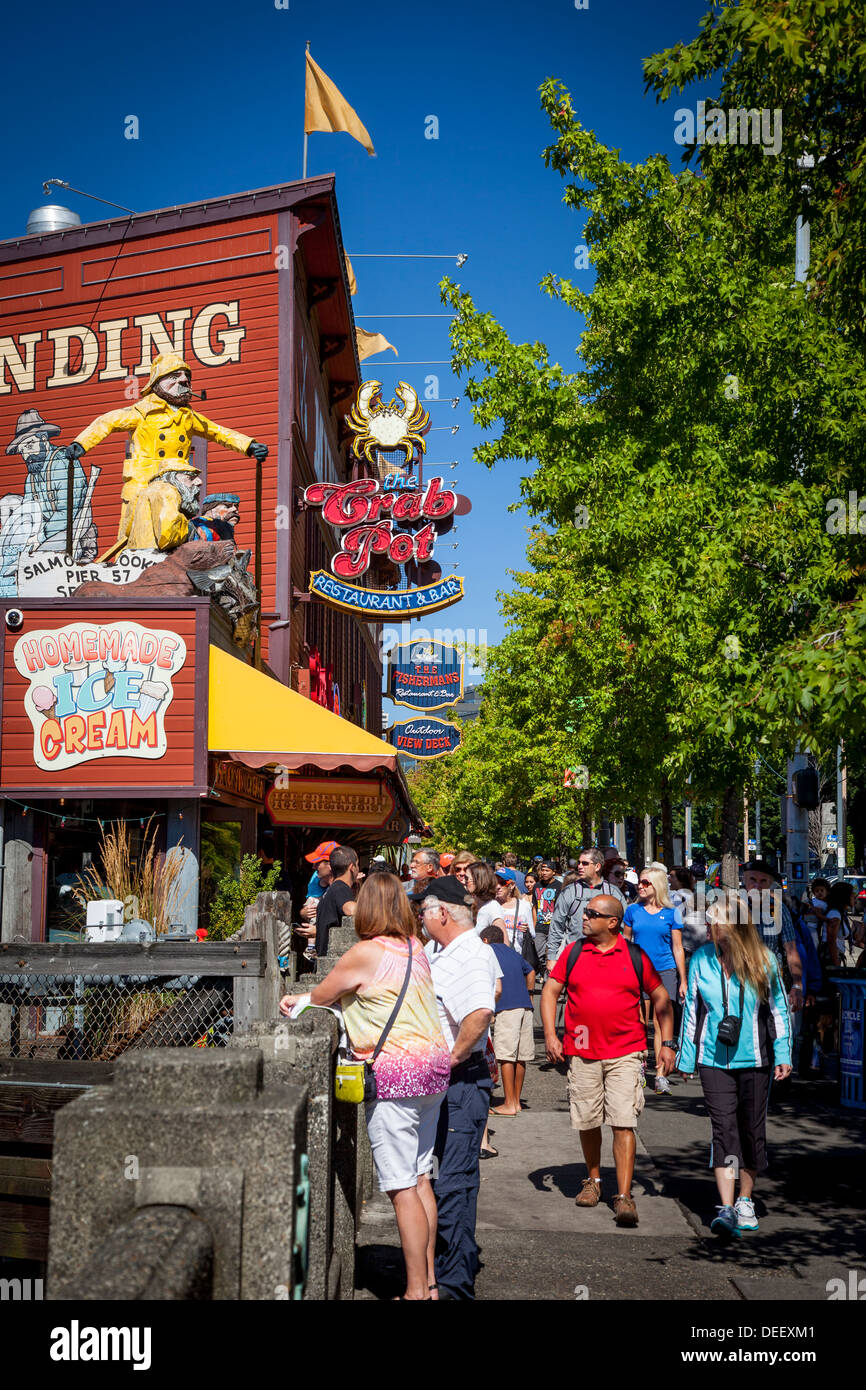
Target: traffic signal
[(806, 789)]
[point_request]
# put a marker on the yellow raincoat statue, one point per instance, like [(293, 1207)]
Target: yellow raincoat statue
[(161, 425)]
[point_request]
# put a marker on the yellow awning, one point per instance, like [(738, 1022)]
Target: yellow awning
[(260, 721)]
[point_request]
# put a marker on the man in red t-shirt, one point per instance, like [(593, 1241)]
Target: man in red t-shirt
[(604, 1038)]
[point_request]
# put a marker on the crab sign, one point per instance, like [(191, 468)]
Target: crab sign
[(378, 426)]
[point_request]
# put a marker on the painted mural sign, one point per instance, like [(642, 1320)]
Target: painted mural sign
[(48, 574), (98, 690), (375, 604), (426, 738), (33, 522), (425, 675)]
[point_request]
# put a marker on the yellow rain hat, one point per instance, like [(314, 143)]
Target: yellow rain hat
[(162, 365)]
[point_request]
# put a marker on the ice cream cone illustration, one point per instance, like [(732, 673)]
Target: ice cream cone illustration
[(45, 701)]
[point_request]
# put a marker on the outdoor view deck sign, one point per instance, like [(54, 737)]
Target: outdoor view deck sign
[(98, 690), (426, 738), (425, 675)]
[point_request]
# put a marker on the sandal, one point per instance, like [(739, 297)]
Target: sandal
[(488, 1153)]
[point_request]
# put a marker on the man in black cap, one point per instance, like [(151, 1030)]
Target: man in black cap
[(466, 977), (220, 514)]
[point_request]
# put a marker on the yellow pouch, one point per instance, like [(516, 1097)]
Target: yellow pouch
[(349, 1082)]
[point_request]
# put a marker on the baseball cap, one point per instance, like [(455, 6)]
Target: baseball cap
[(446, 860), (506, 875), (321, 852), (447, 889)]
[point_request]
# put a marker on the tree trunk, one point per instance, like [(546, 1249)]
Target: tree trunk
[(639, 846), (730, 837), (585, 829), (667, 831)]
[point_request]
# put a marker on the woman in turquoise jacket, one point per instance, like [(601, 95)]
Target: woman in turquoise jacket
[(736, 979)]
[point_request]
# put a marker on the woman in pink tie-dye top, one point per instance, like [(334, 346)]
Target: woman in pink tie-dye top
[(412, 1070)]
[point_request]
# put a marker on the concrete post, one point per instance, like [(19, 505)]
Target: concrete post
[(302, 1051), (207, 1130)]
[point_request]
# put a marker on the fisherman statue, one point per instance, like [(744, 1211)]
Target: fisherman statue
[(155, 508)]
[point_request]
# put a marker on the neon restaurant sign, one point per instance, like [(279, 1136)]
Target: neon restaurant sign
[(393, 518)]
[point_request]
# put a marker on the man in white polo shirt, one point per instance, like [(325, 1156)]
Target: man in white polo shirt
[(466, 979)]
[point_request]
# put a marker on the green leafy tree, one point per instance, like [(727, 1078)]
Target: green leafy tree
[(714, 410), (806, 59)]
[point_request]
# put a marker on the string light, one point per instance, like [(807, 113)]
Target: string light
[(65, 819)]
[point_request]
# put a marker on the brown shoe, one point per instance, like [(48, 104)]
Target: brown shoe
[(590, 1194), (624, 1210)]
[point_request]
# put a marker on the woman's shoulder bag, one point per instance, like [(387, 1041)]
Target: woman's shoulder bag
[(356, 1081)]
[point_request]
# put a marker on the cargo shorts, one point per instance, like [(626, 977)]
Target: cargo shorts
[(609, 1091)]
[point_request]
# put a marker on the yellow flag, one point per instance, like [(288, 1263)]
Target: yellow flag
[(327, 109), (350, 276), (371, 343)]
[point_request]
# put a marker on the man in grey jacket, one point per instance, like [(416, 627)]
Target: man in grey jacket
[(567, 923)]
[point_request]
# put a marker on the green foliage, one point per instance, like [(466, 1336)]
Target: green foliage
[(715, 411), (806, 58), (234, 894)]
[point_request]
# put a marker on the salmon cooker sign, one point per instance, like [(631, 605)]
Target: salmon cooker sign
[(98, 690)]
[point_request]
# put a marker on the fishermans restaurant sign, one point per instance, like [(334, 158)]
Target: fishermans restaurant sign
[(425, 675), (98, 690)]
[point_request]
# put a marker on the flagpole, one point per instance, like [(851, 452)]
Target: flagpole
[(306, 137)]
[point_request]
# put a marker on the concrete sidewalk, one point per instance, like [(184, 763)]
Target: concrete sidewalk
[(536, 1244)]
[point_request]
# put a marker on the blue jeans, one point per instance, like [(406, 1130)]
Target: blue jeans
[(458, 1143)]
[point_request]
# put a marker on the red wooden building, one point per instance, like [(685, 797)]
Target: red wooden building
[(252, 290)]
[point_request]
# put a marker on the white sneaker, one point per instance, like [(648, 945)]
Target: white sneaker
[(746, 1218), (663, 1086)]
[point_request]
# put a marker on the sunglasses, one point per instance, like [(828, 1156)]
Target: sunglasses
[(645, 882), (591, 913)]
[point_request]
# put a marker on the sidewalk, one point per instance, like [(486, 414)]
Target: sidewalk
[(536, 1244)]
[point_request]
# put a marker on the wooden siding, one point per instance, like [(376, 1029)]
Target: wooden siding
[(180, 273)]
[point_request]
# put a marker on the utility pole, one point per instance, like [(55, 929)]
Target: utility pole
[(841, 810), (687, 831), (797, 817), (797, 825)]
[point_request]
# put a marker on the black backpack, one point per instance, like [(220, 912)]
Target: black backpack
[(636, 955)]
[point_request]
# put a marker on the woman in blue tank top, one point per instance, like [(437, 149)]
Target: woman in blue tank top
[(652, 923)]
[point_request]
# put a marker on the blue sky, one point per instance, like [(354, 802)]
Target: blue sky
[(218, 89)]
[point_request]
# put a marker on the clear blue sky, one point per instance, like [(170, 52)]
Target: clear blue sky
[(219, 92)]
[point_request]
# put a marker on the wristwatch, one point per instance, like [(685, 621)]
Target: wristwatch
[(672, 1045)]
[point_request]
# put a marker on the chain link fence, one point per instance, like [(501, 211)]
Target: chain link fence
[(95, 1017)]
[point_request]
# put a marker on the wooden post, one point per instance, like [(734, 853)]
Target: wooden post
[(257, 1000)]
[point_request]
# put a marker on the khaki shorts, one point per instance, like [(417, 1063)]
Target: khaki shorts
[(610, 1090), (513, 1037)]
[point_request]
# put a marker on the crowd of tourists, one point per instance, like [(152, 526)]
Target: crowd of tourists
[(637, 971)]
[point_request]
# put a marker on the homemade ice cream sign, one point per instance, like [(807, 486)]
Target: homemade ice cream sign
[(425, 675), (98, 690), (426, 738), (393, 519)]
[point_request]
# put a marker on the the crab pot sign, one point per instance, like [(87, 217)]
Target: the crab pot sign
[(366, 513)]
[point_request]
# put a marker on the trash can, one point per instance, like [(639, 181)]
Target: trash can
[(852, 1010)]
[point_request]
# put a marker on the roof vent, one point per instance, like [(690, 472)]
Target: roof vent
[(51, 218)]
